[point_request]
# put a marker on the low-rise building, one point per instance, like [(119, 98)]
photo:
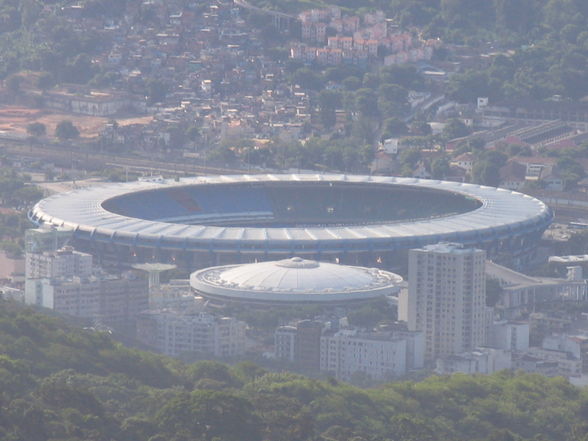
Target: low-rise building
[(300, 344), (480, 361), (109, 300), (380, 356), (66, 282), (93, 103), (12, 294), (193, 330), (464, 161), (512, 336), (575, 345), (285, 343), (548, 362), (65, 262)]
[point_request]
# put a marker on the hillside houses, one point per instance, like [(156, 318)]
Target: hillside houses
[(356, 40)]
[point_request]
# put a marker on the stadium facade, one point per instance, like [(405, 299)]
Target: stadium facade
[(357, 220)]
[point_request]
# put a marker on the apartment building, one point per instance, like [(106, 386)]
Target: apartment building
[(174, 332), (446, 298)]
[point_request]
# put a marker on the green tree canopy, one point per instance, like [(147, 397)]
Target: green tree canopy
[(454, 128), (65, 130), (36, 129)]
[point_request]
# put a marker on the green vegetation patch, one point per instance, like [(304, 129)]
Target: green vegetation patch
[(61, 383)]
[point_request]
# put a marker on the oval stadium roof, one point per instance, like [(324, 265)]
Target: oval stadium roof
[(501, 212)]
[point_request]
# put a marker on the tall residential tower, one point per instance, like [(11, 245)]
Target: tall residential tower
[(447, 298)]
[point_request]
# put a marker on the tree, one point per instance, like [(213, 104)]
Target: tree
[(393, 127), (80, 69), (353, 83), (440, 168), (66, 130), (36, 129), (366, 102), (392, 100), (454, 128), (14, 83), (207, 415), (409, 157), (467, 87), (486, 169), (222, 155), (493, 291), (212, 370), (30, 12), (45, 81), (307, 79), (421, 128), (402, 75), (369, 315), (328, 101), (193, 133), (570, 170), (341, 72), (156, 90)]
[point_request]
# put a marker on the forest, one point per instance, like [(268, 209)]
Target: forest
[(58, 382)]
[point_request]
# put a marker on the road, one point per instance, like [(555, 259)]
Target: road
[(276, 14), (68, 156)]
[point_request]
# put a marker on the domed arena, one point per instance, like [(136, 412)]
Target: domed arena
[(358, 220), (293, 280)]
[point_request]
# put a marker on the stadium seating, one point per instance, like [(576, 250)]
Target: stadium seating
[(288, 206)]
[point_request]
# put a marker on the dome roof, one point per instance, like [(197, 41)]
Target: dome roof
[(294, 280)]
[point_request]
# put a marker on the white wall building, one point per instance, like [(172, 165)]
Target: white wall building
[(13, 294), (173, 332), (512, 336), (285, 343), (65, 262), (479, 361), (574, 345), (380, 356), (415, 348), (63, 281), (537, 360), (446, 298), (300, 343), (109, 300)]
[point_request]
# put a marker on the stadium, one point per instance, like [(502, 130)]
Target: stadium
[(357, 220)]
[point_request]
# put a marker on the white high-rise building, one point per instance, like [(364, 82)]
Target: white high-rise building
[(447, 298)]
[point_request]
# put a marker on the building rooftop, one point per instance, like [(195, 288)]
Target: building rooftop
[(83, 212), (448, 247), (294, 280)]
